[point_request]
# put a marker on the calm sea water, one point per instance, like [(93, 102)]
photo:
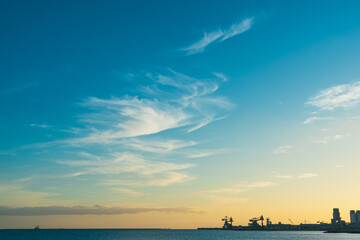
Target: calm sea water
[(167, 235)]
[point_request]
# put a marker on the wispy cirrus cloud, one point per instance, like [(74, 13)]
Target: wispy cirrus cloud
[(200, 45), (238, 28), (256, 184), (87, 210), (127, 128), (200, 154), (341, 96), (159, 146), (8, 152), (127, 191), (221, 76), (219, 36), (301, 176), (130, 117), (228, 200), (17, 194), (315, 119), (43, 125), (158, 180), (328, 139), (191, 103), (125, 163), (283, 149), (243, 187), (232, 194), (128, 169)]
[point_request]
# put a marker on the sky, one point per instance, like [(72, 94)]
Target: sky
[(158, 114)]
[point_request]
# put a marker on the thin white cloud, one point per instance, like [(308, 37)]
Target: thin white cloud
[(341, 96), (283, 149), (127, 191), (192, 87), (256, 184), (238, 28), (230, 195), (72, 130), (200, 154), (200, 45), (87, 210), (243, 187), (125, 163), (8, 152), (125, 125), (158, 180), (314, 119), (301, 176), (337, 137), (226, 200), (40, 125), (328, 139), (219, 36), (157, 146), (76, 174), (132, 117), (200, 125), (190, 103), (23, 180), (230, 190), (16, 194), (221, 76), (127, 169)]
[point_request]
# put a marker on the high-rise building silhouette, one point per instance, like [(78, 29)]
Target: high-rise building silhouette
[(358, 216), (353, 217), (336, 216)]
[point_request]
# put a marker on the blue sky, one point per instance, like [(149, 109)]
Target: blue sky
[(121, 103)]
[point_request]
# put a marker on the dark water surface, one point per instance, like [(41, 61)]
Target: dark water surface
[(167, 235)]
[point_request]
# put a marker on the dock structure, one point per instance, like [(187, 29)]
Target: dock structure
[(228, 223), (257, 224)]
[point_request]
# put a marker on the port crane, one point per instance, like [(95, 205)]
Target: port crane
[(254, 221), (291, 221), (227, 222)]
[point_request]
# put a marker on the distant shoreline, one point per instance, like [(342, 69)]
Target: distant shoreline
[(31, 229), (354, 231)]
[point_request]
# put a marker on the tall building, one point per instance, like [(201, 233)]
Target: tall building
[(336, 222), (358, 216), (336, 216), (353, 216)]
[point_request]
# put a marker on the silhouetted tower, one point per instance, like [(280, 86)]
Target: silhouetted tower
[(336, 216), (358, 216), (353, 218)]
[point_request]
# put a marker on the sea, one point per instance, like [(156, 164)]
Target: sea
[(116, 234)]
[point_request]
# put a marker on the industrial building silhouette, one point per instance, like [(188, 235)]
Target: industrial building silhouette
[(336, 225)]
